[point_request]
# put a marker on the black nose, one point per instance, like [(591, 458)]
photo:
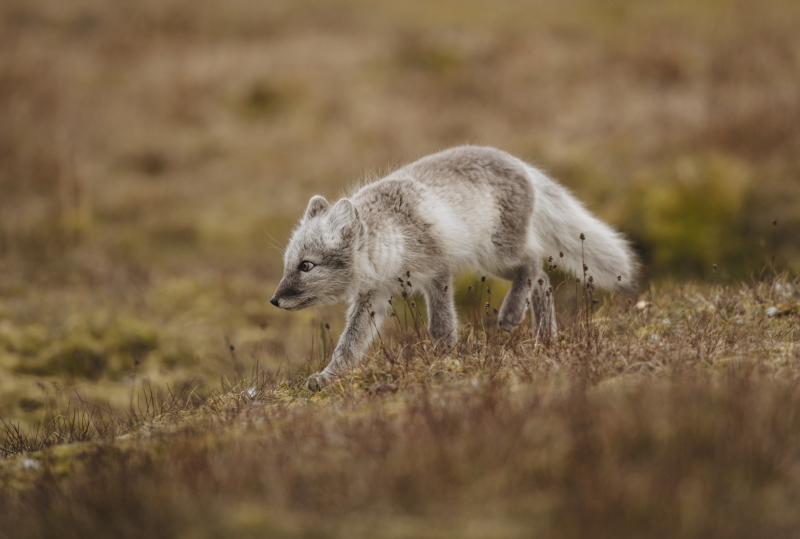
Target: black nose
[(274, 301)]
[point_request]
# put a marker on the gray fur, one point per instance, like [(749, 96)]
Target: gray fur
[(316, 206), (516, 302), (442, 321), (465, 207), (479, 171)]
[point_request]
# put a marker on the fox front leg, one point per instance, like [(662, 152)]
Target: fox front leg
[(364, 319)]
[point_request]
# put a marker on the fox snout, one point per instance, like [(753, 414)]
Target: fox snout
[(289, 303), (288, 296), (282, 297)]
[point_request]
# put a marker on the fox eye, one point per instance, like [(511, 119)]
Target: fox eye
[(305, 265)]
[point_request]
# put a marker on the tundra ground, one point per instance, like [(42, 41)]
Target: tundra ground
[(677, 418)]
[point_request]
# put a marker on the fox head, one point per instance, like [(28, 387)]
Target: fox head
[(319, 263)]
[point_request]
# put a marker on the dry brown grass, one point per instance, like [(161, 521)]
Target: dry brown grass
[(677, 420)]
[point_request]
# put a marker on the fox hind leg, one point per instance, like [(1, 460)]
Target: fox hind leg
[(442, 321), (530, 286), (512, 311), (543, 309)]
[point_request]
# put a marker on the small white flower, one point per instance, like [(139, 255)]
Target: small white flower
[(772, 311)]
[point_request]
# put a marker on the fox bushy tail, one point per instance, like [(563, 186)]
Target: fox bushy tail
[(560, 220)]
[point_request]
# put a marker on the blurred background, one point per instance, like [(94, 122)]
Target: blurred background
[(154, 155)]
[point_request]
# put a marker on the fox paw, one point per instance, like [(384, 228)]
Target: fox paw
[(445, 345), (505, 324), (509, 320), (317, 381)]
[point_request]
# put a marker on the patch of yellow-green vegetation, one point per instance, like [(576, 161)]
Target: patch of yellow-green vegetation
[(697, 216), (57, 347), (18, 473), (109, 349), (700, 328)]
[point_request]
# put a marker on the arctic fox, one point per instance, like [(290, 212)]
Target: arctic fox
[(468, 206)]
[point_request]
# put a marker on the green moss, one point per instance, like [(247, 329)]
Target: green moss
[(25, 340), (132, 339), (30, 405), (78, 360), (177, 356), (692, 217), (102, 347)]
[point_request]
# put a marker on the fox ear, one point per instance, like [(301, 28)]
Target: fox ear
[(344, 219), (316, 206)]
